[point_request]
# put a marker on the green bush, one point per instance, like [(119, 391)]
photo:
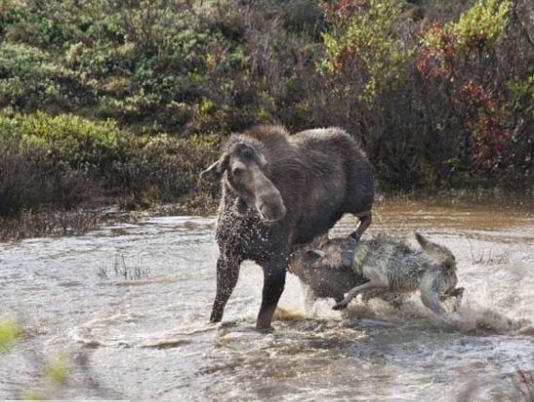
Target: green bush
[(66, 161), (69, 140), (439, 94), (162, 168), (434, 95), (31, 79), (470, 61), (367, 48)]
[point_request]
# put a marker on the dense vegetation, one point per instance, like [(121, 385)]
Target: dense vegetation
[(128, 100)]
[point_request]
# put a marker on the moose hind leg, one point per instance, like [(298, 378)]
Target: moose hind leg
[(365, 220), (227, 276), (274, 279)]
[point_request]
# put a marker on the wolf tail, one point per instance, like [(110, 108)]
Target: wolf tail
[(440, 254)]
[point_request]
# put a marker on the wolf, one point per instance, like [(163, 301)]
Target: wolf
[(381, 267)]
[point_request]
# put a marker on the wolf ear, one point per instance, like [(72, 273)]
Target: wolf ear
[(421, 240), (312, 255), (216, 169)]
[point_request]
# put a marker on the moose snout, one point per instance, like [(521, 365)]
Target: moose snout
[(271, 207)]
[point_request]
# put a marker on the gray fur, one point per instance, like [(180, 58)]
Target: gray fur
[(382, 267), (279, 190)]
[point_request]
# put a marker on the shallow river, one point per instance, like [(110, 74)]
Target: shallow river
[(126, 310)]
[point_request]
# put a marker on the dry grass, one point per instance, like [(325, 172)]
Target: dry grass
[(516, 386), (489, 257), (48, 224), (123, 270)]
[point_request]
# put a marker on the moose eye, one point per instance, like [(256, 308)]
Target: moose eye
[(237, 171), (247, 154)]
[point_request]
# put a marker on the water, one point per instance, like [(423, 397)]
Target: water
[(127, 307)]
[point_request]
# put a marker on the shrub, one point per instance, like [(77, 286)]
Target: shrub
[(467, 59), (162, 168), (80, 144), (53, 160), (67, 161), (439, 93), (366, 46), (33, 180), (434, 96), (31, 80)]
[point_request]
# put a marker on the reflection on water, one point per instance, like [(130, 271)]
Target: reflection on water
[(149, 339)]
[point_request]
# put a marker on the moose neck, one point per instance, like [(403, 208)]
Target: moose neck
[(240, 206)]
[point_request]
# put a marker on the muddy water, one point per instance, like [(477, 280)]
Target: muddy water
[(127, 308)]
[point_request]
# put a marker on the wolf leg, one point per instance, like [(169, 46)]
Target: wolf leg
[(353, 293), (309, 298), (348, 254), (431, 300)]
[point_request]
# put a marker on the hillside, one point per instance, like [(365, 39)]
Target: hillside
[(128, 100)]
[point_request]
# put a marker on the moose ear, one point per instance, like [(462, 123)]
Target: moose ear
[(215, 170), (261, 160)]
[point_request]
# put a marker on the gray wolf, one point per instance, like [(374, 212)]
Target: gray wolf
[(279, 190), (382, 267)]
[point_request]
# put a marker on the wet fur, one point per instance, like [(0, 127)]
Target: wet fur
[(382, 267), (320, 175)]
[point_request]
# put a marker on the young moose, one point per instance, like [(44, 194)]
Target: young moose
[(279, 190)]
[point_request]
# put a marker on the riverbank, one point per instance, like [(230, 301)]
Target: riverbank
[(55, 223)]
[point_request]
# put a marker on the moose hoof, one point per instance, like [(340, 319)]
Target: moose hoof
[(215, 317), (265, 330)]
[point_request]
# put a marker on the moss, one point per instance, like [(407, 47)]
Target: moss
[(9, 332)]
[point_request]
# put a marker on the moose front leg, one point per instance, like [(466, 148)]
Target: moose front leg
[(227, 275), (274, 279)]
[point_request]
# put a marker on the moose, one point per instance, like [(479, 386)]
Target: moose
[(278, 191)]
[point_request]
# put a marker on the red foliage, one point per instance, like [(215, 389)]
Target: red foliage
[(437, 60), (340, 11), (471, 93)]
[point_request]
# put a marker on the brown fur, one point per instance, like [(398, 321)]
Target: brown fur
[(289, 189), (318, 266)]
